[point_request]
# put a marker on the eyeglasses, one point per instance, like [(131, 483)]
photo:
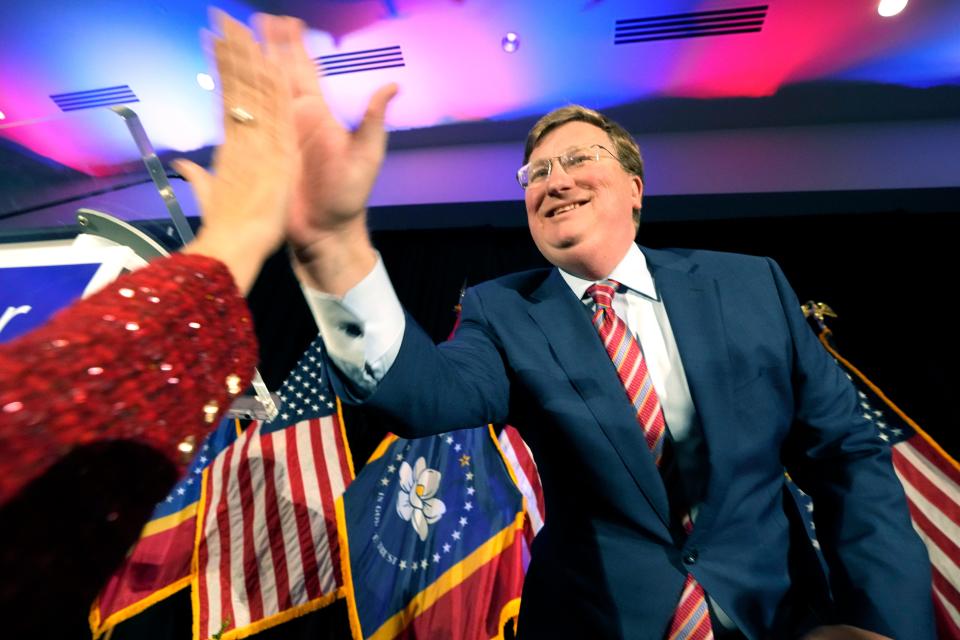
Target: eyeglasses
[(570, 161)]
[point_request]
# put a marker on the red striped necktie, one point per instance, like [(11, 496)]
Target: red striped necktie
[(691, 619)]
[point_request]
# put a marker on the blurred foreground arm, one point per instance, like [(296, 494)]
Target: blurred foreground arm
[(156, 352)]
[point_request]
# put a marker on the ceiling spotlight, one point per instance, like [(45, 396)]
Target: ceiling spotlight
[(890, 8), (3, 116), (205, 80), (510, 42)]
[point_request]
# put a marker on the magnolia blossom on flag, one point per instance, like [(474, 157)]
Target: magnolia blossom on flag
[(415, 499)]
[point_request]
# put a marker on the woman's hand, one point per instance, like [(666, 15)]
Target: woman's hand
[(245, 197)]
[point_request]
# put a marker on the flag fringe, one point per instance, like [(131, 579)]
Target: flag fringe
[(509, 613), (347, 588), (98, 629), (283, 616)]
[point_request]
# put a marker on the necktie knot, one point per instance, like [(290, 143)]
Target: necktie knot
[(602, 293)]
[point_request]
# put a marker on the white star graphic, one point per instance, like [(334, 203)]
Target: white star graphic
[(449, 440), (424, 564), (330, 405), (457, 447), (463, 522), (203, 459), (468, 506), (384, 481), (403, 564), (885, 437), (391, 468), (469, 475), (285, 416), (181, 491), (446, 547), (436, 557), (456, 535), (470, 491)]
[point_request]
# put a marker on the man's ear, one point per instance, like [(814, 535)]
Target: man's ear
[(637, 192)]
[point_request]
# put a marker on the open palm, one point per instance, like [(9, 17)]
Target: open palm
[(337, 167)]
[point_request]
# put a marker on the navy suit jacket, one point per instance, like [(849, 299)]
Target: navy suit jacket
[(769, 398)]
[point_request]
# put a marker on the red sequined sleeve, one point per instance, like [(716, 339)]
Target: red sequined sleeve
[(138, 360)]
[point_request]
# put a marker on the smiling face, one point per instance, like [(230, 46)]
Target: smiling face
[(582, 223)]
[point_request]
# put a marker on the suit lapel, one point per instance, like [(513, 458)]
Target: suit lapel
[(567, 327), (693, 306)]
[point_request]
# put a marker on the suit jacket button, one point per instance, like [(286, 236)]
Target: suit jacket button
[(690, 557)]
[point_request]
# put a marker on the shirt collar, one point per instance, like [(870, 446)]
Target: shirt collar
[(632, 272)]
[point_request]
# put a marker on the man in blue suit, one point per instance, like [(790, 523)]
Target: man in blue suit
[(740, 382)]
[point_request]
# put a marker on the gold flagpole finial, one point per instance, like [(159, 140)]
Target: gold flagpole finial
[(818, 311)]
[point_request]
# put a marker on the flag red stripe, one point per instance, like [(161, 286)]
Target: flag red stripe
[(160, 551), (946, 588), (304, 536), (223, 529), (935, 457), (943, 502), (946, 627), (936, 536), (326, 494), (275, 530), (251, 573), (529, 468)]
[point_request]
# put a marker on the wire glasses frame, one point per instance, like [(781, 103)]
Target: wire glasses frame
[(538, 171)]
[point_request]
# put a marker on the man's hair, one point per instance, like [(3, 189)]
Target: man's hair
[(625, 148)]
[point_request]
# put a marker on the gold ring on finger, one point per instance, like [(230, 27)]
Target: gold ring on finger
[(241, 115)]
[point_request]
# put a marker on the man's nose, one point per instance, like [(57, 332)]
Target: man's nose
[(559, 179)]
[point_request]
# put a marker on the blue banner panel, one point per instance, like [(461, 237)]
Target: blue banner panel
[(30, 295)]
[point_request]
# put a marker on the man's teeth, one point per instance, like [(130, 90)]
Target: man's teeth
[(569, 207)]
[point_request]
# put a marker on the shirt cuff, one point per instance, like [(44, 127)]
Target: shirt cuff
[(363, 330)]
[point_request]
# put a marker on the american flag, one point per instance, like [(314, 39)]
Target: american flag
[(268, 547), (931, 481), (519, 457), (161, 563)]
